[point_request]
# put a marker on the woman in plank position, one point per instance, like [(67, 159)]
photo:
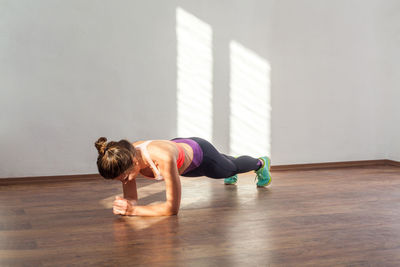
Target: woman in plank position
[(166, 160)]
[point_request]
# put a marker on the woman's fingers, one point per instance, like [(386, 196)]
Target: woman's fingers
[(118, 210), (120, 206)]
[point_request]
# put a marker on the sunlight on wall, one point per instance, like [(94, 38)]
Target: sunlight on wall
[(194, 81), (250, 103)]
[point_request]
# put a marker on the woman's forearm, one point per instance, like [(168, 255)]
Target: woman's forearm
[(163, 209), (130, 190)]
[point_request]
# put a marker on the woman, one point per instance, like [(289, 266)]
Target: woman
[(166, 160)]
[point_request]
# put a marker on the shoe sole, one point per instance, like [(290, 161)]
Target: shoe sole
[(262, 186)]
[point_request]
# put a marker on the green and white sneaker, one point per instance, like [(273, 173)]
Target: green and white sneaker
[(231, 180), (263, 173)]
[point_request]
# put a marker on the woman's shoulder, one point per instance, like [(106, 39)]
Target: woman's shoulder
[(157, 146), (159, 149), (136, 143), (153, 142)]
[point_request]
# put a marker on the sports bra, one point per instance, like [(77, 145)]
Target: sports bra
[(158, 176)]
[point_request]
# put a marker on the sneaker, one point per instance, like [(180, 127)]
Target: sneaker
[(263, 173), (231, 180)]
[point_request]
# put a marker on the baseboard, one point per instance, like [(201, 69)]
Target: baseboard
[(393, 163), (291, 167), (48, 179), (330, 165)]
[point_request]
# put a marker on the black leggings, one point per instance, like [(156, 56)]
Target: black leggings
[(217, 165)]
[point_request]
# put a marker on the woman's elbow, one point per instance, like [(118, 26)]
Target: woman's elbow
[(170, 211), (174, 213)]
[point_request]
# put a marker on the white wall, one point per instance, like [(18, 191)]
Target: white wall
[(327, 82), (71, 71), (390, 31), (394, 117)]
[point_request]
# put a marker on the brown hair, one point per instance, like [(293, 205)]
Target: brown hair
[(114, 157)]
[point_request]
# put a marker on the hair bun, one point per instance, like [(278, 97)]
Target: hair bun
[(101, 144)]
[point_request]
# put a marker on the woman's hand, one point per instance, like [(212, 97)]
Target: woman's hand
[(123, 206)]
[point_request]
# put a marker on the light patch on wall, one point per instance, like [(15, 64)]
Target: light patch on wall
[(250, 102), (194, 81)]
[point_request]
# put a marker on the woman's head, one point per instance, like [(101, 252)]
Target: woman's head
[(115, 158)]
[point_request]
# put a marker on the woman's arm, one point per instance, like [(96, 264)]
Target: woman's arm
[(122, 205), (169, 170), (130, 190)]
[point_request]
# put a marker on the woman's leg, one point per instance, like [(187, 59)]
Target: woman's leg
[(245, 163), (217, 165), (242, 162)]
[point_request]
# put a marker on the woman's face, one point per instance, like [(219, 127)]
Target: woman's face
[(130, 174)]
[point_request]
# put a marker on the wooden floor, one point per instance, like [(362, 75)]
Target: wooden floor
[(335, 217)]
